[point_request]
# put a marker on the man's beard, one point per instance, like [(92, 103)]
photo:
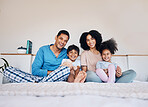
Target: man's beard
[(59, 48)]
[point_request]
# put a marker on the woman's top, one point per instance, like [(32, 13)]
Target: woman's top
[(90, 60)]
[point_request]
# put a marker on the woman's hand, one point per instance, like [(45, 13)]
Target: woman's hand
[(118, 72), (84, 68)]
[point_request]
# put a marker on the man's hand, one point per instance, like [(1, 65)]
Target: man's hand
[(118, 72), (48, 72)]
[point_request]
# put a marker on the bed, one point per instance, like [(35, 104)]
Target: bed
[(88, 94), (65, 94)]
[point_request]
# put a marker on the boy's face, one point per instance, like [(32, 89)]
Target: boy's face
[(73, 54), (106, 55)]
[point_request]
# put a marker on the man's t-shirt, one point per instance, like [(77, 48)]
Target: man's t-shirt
[(46, 60)]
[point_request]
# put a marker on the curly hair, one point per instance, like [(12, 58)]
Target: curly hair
[(110, 44), (95, 34)]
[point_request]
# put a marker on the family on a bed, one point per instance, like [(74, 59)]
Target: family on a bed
[(54, 63)]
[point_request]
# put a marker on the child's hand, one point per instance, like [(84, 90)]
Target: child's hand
[(106, 71), (118, 72), (76, 67), (68, 64)]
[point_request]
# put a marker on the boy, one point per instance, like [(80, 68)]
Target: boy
[(75, 75)]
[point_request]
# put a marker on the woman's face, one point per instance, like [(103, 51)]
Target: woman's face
[(91, 42)]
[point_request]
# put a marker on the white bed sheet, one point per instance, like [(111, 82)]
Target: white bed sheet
[(70, 101), (64, 94)]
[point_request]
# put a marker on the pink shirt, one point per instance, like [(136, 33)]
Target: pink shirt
[(90, 60)]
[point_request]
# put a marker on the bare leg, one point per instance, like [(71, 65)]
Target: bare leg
[(71, 76), (77, 71)]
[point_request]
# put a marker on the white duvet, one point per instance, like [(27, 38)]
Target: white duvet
[(62, 94), (124, 90)]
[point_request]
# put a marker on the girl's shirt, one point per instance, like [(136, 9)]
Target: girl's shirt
[(104, 65), (90, 60)]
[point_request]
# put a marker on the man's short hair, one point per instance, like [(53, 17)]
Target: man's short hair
[(63, 32), (71, 47)]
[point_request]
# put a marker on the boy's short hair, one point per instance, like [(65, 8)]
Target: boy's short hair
[(71, 47)]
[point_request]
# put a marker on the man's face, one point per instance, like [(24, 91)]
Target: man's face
[(61, 41)]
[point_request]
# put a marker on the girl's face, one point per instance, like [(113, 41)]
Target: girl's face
[(91, 42), (73, 54), (106, 55)]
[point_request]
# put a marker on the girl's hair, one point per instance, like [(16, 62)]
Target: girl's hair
[(110, 44), (71, 47), (95, 34)]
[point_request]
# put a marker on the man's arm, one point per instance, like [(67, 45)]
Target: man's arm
[(38, 63)]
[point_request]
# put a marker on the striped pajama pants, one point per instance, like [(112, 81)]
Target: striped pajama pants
[(15, 75)]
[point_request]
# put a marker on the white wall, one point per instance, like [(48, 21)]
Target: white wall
[(40, 20)]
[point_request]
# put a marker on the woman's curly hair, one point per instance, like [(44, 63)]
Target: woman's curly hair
[(110, 44), (95, 34)]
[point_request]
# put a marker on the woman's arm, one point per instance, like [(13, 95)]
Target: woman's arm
[(84, 68), (118, 72)]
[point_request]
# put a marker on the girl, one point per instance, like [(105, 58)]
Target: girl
[(106, 69)]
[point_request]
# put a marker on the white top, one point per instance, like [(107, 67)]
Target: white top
[(76, 63), (104, 65)]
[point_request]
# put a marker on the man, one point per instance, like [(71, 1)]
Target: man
[(46, 66)]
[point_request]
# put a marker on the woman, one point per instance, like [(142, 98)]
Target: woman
[(90, 42)]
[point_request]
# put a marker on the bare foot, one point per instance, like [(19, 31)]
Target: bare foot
[(84, 77), (80, 78)]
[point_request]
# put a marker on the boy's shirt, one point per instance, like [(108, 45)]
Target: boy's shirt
[(76, 63)]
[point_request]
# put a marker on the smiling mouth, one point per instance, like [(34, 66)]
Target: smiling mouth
[(73, 57), (61, 45), (106, 58), (91, 44)]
